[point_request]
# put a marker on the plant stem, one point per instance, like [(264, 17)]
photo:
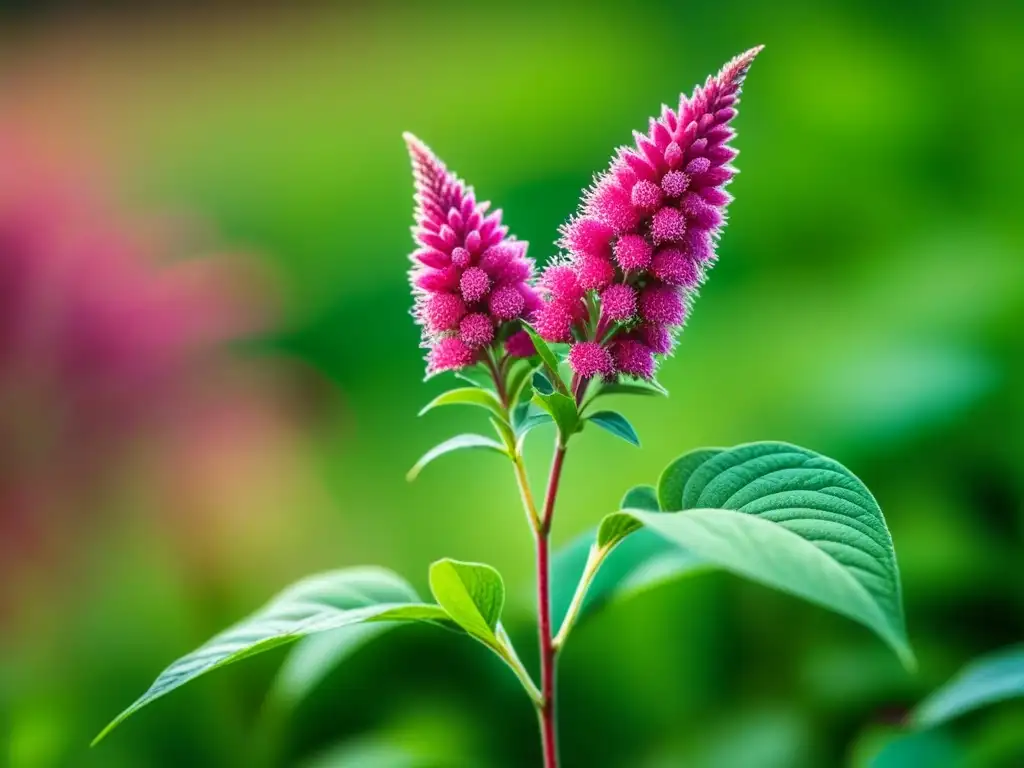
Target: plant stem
[(594, 560), (547, 648)]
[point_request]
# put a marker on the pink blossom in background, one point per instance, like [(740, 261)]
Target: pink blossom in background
[(103, 339), (471, 281), (645, 235)]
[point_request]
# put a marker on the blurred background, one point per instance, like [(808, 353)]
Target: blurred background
[(209, 377)]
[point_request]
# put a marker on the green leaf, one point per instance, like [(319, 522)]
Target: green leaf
[(562, 409), (791, 519), (481, 398), (546, 354), (315, 656), (473, 594), (478, 376), (640, 562), (643, 497), (987, 680), (673, 479), (457, 443), (617, 424), (542, 384), (519, 377), (321, 603), (527, 417), (632, 387)]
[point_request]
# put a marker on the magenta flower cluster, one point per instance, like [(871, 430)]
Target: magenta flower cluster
[(645, 236), (471, 280), (637, 251)]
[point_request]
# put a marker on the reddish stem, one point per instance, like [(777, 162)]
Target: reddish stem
[(547, 649)]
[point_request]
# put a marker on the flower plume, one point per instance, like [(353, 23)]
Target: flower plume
[(471, 281), (645, 235)]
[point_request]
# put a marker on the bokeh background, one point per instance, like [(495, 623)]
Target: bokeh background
[(209, 378)]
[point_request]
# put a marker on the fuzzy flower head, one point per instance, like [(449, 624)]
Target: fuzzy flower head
[(644, 238), (471, 281)]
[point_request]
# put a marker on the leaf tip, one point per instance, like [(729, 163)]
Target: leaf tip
[(106, 731)]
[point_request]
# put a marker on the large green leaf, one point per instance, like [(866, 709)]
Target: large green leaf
[(788, 518), (990, 679), (675, 476), (316, 604), (457, 443), (315, 656)]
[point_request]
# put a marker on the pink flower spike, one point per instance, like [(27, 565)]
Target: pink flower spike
[(668, 225), (633, 358), (664, 194), (595, 273), (673, 184), (474, 284), (554, 323), (442, 312), (467, 258), (476, 330), (633, 252), (506, 303), (618, 302), (658, 338), (589, 359), (613, 205), (646, 196), (449, 354), (561, 284), (662, 304), (520, 344), (588, 237), (674, 267)]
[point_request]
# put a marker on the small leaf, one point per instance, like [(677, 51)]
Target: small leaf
[(987, 680), (529, 416), (473, 594), (478, 376), (459, 442), (519, 377), (617, 424), (562, 409), (614, 528), (321, 603), (790, 519), (643, 497), (542, 384), (466, 396), (508, 436), (546, 354)]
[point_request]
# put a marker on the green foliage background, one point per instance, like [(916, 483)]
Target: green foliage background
[(868, 303)]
